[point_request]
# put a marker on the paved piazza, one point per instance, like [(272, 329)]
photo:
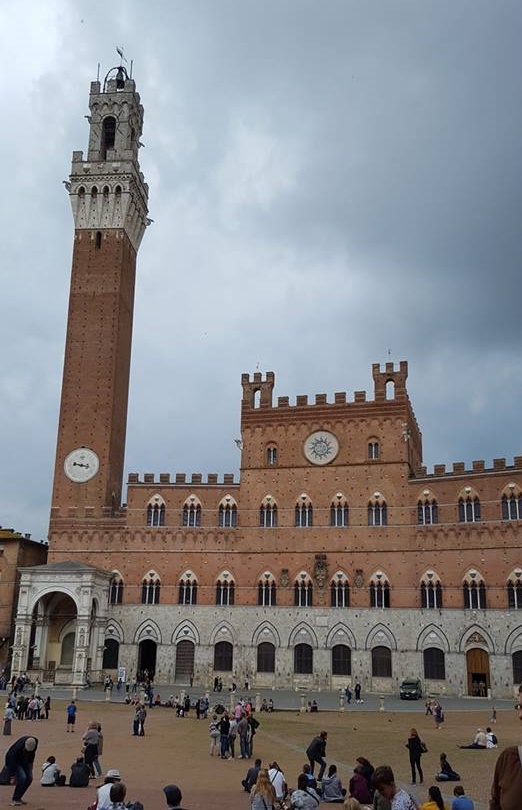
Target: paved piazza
[(176, 750)]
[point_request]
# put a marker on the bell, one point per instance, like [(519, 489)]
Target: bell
[(120, 79)]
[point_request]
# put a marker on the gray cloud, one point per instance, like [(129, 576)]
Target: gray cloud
[(328, 181)]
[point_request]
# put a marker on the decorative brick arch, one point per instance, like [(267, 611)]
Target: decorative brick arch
[(432, 636), (303, 634), (513, 641), (224, 631), (341, 634), (117, 631), (266, 631), (476, 636), (148, 631), (185, 631), (380, 636)]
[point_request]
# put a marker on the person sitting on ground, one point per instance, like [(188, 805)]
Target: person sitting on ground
[(80, 774), (384, 781), (251, 776), (304, 797), (104, 791), (117, 795), (461, 801), (277, 777), (446, 773), (270, 705), (173, 797), (332, 788), (480, 740), (311, 778), (435, 800), (491, 739), (264, 706), (50, 773), (367, 771), (313, 706), (359, 786), (263, 794)]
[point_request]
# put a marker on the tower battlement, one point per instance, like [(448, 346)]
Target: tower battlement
[(458, 468), (182, 479)]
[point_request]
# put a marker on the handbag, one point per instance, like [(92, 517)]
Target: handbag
[(424, 747)]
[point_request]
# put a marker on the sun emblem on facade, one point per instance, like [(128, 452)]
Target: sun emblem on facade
[(321, 447)]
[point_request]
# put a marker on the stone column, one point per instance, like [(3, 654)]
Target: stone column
[(21, 645), (81, 649)]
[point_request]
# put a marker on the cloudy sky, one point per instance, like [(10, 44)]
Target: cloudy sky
[(332, 184)]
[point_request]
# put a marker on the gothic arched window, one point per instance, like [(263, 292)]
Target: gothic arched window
[(225, 590), (303, 591), (339, 591), (192, 512), (474, 591), (304, 513), (116, 589), (268, 513), (227, 513), (188, 589), (156, 511), (339, 512), (150, 589), (379, 591), (377, 511), (267, 591), (431, 591)]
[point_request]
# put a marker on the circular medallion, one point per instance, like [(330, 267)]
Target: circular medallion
[(81, 465), (321, 447)]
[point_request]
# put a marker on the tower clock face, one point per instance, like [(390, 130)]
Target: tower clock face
[(321, 447), (81, 465)]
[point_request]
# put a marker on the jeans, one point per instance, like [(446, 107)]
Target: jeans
[(224, 745), (23, 777), (243, 742), (416, 761)]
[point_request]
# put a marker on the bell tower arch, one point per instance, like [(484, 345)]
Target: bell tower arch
[(108, 196)]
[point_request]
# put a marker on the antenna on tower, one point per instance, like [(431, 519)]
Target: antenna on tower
[(98, 74)]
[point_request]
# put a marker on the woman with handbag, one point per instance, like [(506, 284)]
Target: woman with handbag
[(416, 749), (262, 795)]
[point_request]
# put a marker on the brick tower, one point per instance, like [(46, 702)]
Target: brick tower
[(109, 203)]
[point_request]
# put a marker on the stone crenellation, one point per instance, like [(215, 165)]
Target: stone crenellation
[(477, 468)]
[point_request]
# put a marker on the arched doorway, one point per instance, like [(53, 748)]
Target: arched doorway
[(477, 665), (147, 658), (111, 653), (184, 660)]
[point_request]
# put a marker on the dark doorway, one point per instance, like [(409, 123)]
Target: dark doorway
[(477, 662), (147, 658), (184, 661)]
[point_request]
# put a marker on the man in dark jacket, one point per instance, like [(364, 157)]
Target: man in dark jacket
[(251, 776), (316, 752), (79, 774), (19, 763)]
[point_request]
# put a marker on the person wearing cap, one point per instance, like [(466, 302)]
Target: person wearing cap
[(104, 791), (173, 797), (19, 759)]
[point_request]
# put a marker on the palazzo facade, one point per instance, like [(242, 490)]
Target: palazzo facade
[(336, 556)]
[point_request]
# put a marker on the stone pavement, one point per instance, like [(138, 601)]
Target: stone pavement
[(176, 749)]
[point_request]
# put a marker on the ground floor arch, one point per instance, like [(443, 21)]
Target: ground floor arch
[(147, 652), (477, 669), (184, 669)]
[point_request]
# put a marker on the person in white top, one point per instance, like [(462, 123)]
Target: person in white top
[(277, 777), (50, 772), (104, 792)]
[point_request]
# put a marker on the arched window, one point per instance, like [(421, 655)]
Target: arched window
[(379, 591), (267, 591), (303, 591), (67, 651), (223, 656), (434, 664), (339, 513), (225, 590), (431, 591), (304, 512), (516, 660), (474, 591), (98, 240), (156, 511), (192, 512), (469, 509), (339, 591), (265, 657), (81, 193), (268, 513), (373, 450), (188, 589), (150, 589), (303, 659), (427, 510), (381, 662), (377, 511), (341, 660), (108, 135), (271, 456), (116, 589), (514, 589), (227, 513), (512, 506)]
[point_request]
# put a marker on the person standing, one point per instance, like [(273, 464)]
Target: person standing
[(47, 706), (415, 748), (316, 752), (224, 730), (19, 761), (90, 740), (357, 690), (9, 716), (71, 715), (243, 733)]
